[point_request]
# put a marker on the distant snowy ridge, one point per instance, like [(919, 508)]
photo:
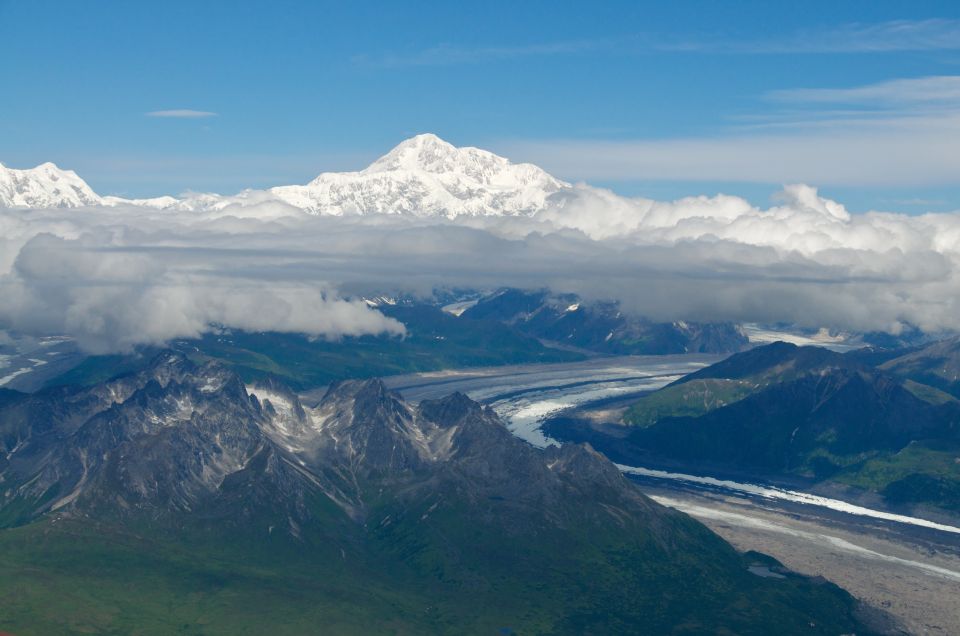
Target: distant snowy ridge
[(155, 202), (423, 176)]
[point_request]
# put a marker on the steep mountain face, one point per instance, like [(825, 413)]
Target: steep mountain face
[(45, 186), (426, 176), (158, 441), (602, 327), (363, 513)]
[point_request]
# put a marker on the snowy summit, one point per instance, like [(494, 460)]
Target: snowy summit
[(426, 176), (45, 186)]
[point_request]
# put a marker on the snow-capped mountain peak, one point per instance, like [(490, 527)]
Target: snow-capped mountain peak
[(45, 186), (426, 176), (423, 152), (428, 153)]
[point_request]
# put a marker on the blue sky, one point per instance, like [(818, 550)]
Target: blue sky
[(659, 99)]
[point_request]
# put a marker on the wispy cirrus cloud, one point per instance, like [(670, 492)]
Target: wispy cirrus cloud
[(182, 113), (900, 132), (934, 34), (445, 54), (933, 90)]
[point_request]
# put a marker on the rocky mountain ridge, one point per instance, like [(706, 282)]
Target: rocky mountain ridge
[(166, 440)]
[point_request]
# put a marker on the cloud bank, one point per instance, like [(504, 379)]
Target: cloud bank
[(113, 284), (117, 277)]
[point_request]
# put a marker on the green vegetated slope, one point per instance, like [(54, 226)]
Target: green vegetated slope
[(686, 400), (926, 472), (460, 578)]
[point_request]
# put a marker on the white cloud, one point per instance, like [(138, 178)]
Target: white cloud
[(182, 113), (114, 286), (121, 276)]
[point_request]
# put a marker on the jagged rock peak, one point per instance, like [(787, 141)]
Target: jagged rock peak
[(450, 410), (170, 359), (367, 402), (585, 463), (272, 390), (170, 366)]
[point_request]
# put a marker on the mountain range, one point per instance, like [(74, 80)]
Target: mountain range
[(863, 422), (601, 327), (422, 176), (178, 499), (508, 326)]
